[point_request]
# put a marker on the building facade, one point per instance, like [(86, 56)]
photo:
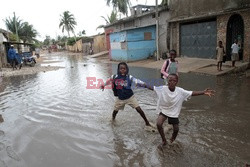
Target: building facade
[(141, 20), (133, 44), (196, 26)]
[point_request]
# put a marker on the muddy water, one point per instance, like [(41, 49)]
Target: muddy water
[(51, 119)]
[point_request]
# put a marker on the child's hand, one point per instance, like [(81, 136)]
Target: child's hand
[(102, 87), (209, 92)]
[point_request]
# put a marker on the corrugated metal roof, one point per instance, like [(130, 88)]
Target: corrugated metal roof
[(133, 17)]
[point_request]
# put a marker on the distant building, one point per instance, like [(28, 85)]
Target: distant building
[(99, 43), (89, 45), (134, 38)]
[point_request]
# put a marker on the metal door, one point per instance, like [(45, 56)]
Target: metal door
[(198, 39)]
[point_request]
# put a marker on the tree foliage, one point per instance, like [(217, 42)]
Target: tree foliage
[(24, 30), (27, 33), (120, 5), (109, 19)]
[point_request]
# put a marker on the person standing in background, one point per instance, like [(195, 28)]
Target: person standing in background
[(220, 53), (235, 52)]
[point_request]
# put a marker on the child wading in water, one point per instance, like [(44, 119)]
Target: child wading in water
[(220, 53), (169, 105), (170, 66), (122, 83)]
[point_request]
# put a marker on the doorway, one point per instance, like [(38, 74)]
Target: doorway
[(235, 30)]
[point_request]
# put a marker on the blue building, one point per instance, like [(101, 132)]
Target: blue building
[(133, 44)]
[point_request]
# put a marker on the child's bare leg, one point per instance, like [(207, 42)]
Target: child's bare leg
[(218, 66), (160, 120), (139, 110), (175, 132), (114, 114), (233, 63)]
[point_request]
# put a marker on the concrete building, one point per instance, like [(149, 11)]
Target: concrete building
[(196, 26), (127, 37)]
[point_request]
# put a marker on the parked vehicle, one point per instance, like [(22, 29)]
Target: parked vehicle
[(28, 59)]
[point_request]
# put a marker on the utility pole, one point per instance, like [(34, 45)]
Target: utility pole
[(16, 27), (157, 30)]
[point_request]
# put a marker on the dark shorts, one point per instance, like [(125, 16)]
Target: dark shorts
[(170, 119)]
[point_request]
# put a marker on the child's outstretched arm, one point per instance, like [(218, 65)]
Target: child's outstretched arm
[(208, 92), (142, 84), (145, 85)]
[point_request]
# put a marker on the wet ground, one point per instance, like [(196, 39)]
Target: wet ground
[(51, 119)]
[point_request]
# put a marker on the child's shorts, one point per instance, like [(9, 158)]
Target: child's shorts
[(120, 104), (235, 57), (170, 119)]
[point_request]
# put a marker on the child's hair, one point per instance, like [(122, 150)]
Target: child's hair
[(122, 63), (175, 75), (174, 51)]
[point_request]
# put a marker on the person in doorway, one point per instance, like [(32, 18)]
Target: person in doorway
[(121, 83), (220, 52), (235, 52), (169, 104), (11, 56), (170, 66)]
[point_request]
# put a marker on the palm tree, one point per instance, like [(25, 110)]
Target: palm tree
[(110, 19), (67, 22), (14, 24), (25, 31), (120, 5)]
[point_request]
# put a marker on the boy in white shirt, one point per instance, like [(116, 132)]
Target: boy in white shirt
[(235, 52), (169, 104)]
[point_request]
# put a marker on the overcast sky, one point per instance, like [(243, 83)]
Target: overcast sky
[(44, 15)]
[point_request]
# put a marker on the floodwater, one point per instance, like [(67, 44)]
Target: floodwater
[(52, 120)]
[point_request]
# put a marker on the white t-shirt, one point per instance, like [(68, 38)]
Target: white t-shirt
[(235, 48), (170, 103)]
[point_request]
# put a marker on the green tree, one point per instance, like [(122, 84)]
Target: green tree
[(27, 33), (67, 22), (81, 33), (110, 19), (14, 24), (13, 37), (164, 3), (120, 5), (46, 42)]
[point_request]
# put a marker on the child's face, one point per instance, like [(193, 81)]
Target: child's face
[(172, 55), (123, 69), (172, 81)]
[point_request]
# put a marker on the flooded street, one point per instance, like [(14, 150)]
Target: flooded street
[(51, 119)]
